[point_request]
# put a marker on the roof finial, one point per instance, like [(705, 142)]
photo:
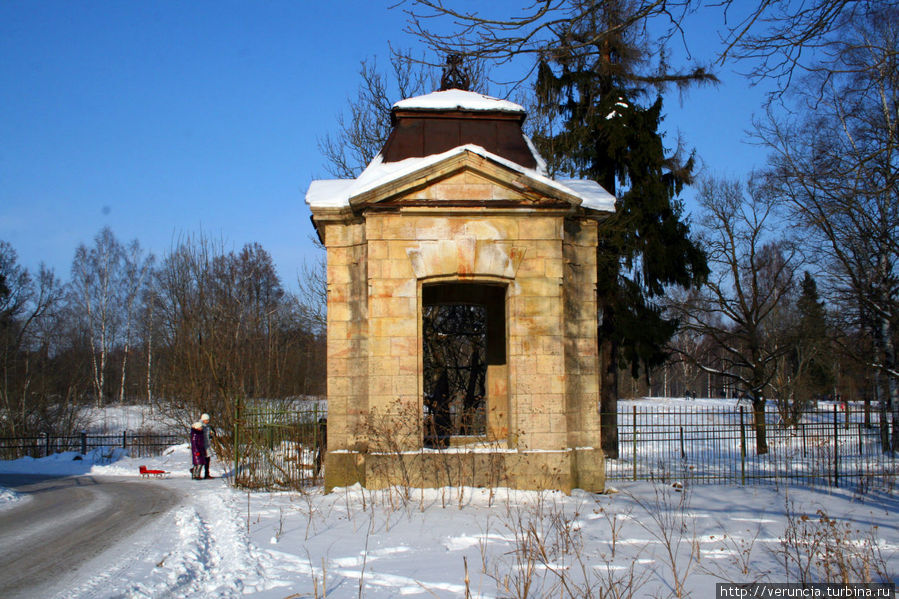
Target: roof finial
[(455, 76)]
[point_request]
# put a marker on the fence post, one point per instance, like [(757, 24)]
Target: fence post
[(683, 453), (125, 439), (83, 442), (635, 441), (47, 449), (860, 440), (803, 427), (742, 449), (836, 447)]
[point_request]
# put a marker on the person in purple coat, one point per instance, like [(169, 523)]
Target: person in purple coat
[(197, 449)]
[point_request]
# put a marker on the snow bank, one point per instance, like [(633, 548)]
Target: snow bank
[(9, 498), (109, 461)]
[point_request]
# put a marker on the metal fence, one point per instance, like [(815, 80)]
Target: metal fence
[(138, 445), (281, 447), (829, 446), (278, 446)]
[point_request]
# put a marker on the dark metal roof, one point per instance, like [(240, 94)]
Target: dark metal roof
[(417, 133)]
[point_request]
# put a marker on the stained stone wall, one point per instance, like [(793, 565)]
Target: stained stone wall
[(543, 423)]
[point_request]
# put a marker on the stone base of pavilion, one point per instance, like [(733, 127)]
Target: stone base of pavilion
[(563, 470)]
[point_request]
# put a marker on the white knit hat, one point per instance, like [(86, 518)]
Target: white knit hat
[(204, 417)]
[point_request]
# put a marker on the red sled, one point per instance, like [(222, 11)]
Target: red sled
[(146, 473)]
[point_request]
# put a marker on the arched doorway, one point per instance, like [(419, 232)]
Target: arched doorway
[(464, 386)]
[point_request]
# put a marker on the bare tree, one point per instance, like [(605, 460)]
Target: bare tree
[(107, 281), (780, 39), (95, 283), (752, 276), (775, 38), (136, 267), (363, 130), (227, 331), (537, 30), (312, 297), (837, 169), (187, 360), (685, 342), (25, 303)]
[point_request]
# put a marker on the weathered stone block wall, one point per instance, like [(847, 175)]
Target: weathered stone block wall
[(581, 347), (347, 334), (536, 368)]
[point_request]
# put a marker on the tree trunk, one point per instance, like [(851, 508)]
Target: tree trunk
[(880, 400), (149, 356), (608, 395), (888, 359), (761, 429), (124, 366), (884, 339)]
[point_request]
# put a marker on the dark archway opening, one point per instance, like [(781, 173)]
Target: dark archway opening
[(463, 333)]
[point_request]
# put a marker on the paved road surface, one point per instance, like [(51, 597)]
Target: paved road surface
[(66, 522)]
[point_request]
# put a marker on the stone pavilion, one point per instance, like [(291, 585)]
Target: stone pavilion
[(457, 210)]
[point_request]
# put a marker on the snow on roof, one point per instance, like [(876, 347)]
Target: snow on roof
[(329, 193), (541, 163), (337, 193), (457, 99), (592, 194)]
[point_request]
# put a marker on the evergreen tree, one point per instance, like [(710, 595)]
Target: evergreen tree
[(812, 343), (605, 135)]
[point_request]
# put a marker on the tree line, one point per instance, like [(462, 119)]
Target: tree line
[(199, 330)]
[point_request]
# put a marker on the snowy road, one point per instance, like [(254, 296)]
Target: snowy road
[(64, 523)]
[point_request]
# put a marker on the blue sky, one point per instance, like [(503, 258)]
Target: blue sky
[(164, 119)]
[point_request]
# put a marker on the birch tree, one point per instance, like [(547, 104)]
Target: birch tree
[(95, 278), (135, 270)]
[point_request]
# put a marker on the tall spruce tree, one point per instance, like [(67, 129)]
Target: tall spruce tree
[(813, 344), (606, 135)]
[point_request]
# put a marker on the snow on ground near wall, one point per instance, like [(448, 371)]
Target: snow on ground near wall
[(223, 542)]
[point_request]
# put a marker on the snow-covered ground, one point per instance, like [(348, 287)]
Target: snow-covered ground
[(645, 540)]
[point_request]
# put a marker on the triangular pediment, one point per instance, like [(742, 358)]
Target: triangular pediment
[(464, 176)]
